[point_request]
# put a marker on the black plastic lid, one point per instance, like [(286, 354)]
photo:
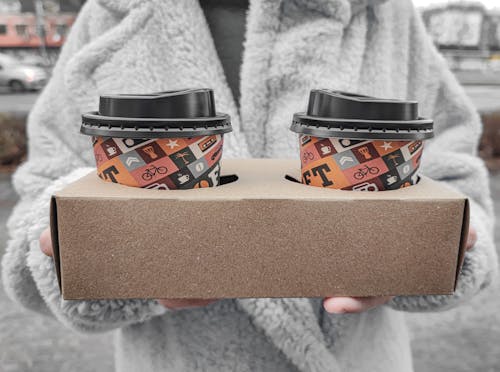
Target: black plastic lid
[(346, 115), (179, 113)]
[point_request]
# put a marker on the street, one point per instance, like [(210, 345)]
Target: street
[(17, 102)]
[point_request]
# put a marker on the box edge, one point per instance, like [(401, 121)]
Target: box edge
[(463, 241), (55, 240)]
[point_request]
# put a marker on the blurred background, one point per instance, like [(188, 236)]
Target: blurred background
[(31, 35)]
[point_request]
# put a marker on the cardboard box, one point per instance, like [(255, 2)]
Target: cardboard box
[(260, 236)]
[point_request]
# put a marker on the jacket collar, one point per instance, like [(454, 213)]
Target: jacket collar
[(342, 9)]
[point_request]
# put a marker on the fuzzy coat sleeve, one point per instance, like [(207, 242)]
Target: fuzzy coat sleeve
[(53, 162), (451, 157)]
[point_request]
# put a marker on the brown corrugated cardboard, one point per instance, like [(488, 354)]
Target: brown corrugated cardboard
[(260, 236)]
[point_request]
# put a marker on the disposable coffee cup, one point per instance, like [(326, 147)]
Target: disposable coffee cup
[(354, 142), (169, 140)]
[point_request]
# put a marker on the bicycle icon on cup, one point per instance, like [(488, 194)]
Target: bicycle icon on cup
[(152, 171), (363, 172)]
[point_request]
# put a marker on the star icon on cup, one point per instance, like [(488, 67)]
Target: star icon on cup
[(386, 146), (172, 144)]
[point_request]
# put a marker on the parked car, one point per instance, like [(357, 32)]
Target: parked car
[(20, 77), (35, 60)]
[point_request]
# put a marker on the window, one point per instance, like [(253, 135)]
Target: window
[(3, 29), (22, 30)]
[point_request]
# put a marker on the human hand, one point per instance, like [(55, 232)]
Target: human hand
[(46, 242), (341, 305)]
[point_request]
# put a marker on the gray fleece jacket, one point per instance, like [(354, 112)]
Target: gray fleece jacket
[(373, 47)]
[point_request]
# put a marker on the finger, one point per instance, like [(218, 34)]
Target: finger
[(341, 305), (46, 243), (185, 304), (471, 238)]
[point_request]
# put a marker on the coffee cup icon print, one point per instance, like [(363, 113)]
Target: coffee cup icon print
[(111, 150), (366, 186), (326, 149), (183, 179), (391, 179)]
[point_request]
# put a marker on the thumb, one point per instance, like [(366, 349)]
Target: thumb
[(46, 242), (471, 238)]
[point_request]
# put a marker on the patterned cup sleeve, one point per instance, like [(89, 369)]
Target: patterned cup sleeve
[(360, 165), (163, 163)]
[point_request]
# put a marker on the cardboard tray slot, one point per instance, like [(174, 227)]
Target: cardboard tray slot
[(291, 179), (227, 179)]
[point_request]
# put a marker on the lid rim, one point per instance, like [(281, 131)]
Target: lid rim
[(301, 122), (303, 116), (117, 132), (374, 134), (94, 124)]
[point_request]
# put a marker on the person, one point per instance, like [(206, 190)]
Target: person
[(371, 47)]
